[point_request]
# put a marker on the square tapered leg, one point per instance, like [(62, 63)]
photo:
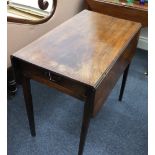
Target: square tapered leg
[(28, 103), (125, 75)]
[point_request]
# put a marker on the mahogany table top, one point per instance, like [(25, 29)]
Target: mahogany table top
[(83, 48)]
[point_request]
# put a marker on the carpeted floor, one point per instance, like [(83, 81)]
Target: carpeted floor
[(119, 128)]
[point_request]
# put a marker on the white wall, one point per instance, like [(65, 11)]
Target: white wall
[(19, 35)]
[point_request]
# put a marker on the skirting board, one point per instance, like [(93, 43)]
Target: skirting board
[(143, 43)]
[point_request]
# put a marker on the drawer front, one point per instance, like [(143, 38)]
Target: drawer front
[(54, 80)]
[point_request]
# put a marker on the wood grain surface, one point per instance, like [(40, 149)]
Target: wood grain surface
[(104, 88), (83, 48), (121, 9)]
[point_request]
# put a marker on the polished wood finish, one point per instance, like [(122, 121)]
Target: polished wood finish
[(84, 57), (55, 80), (43, 4), (28, 103), (105, 87), (88, 108), (92, 46), (121, 9)]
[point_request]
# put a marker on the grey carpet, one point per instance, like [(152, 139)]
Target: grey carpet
[(118, 129)]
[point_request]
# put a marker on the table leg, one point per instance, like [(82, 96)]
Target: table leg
[(125, 75), (85, 123), (29, 105)]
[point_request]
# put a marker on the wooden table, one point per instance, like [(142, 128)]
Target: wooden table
[(83, 57)]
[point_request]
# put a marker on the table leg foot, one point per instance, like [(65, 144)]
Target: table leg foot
[(85, 123), (125, 75), (29, 105)]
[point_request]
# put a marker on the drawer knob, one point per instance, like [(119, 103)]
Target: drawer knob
[(50, 77)]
